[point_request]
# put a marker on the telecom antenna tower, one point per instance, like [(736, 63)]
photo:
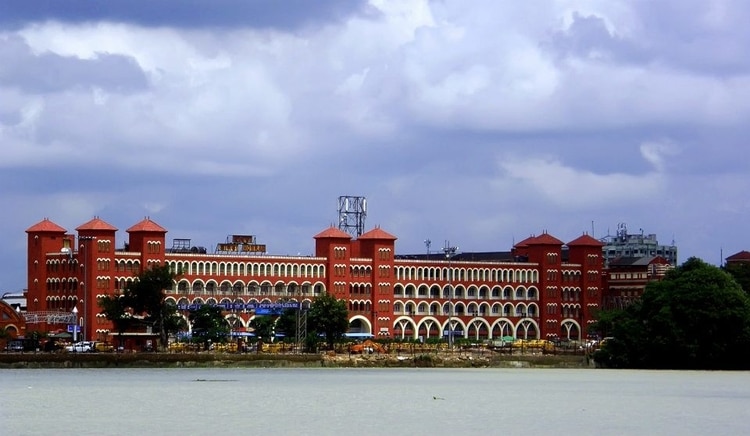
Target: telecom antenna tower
[(352, 214)]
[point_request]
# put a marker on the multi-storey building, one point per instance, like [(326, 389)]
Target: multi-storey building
[(627, 245), (625, 279), (535, 293)]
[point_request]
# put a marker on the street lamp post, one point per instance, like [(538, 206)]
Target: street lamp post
[(83, 320), (75, 323), (449, 253)]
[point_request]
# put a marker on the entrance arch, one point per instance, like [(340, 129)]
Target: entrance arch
[(359, 326)]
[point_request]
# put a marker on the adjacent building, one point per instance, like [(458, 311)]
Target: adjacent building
[(739, 258), (627, 245), (626, 278), (11, 321)]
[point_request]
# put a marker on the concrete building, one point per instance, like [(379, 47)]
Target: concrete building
[(624, 245)]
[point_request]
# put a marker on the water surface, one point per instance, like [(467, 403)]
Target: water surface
[(336, 401)]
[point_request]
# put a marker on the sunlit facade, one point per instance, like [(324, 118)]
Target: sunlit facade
[(545, 289)]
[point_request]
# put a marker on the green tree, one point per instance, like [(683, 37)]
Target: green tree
[(698, 317), (263, 327), (328, 316), (741, 273), (145, 297), (287, 323), (209, 325), (114, 309)]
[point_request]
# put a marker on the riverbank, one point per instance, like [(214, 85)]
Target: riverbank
[(460, 360), (267, 360)]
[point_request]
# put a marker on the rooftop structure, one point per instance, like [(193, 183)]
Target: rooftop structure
[(624, 244)]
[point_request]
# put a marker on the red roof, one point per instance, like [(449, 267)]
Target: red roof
[(377, 233), (332, 233), (742, 255), (146, 225), (545, 239), (585, 241), (96, 224), (45, 225), (525, 242)]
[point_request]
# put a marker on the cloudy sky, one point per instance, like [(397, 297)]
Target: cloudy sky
[(478, 122)]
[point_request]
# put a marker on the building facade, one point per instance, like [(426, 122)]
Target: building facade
[(626, 278), (629, 245), (11, 322), (534, 294)]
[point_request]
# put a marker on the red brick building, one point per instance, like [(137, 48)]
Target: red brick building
[(11, 322), (741, 257), (543, 288), (626, 278)]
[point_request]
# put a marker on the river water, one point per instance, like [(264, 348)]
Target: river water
[(327, 401)]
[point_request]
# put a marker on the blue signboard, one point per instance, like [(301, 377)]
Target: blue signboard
[(455, 332), (259, 308), (75, 327)]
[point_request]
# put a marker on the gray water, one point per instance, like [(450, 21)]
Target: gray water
[(372, 402)]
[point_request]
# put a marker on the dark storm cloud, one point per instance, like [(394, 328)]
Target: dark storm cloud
[(288, 14), (49, 72)]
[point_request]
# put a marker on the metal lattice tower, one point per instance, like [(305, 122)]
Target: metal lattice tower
[(352, 214), (301, 327)]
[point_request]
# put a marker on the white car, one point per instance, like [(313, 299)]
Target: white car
[(80, 347)]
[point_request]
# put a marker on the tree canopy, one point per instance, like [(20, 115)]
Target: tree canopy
[(113, 308), (328, 316), (143, 302), (263, 327), (287, 323), (741, 273), (209, 325), (698, 317)]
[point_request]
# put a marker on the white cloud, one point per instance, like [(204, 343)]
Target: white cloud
[(656, 152), (571, 188), (467, 123)]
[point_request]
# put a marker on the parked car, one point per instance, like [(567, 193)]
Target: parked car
[(103, 347), (80, 347)]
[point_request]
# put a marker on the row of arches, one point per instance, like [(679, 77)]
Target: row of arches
[(69, 284), (457, 273), (460, 308), (183, 301), (63, 303), (476, 328), (271, 269), (483, 292), (252, 288)]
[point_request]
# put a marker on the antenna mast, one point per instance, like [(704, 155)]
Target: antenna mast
[(352, 214)]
